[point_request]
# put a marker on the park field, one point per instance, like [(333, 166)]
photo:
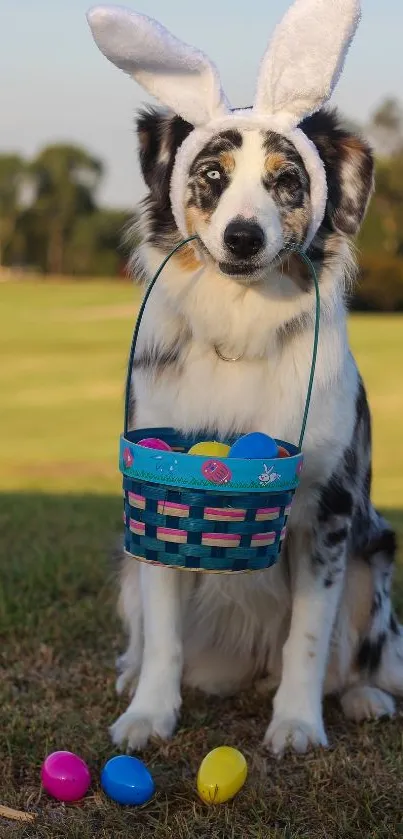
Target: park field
[(63, 350)]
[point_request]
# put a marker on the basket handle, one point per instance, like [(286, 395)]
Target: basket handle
[(151, 285)]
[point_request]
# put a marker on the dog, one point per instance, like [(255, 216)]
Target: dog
[(320, 621)]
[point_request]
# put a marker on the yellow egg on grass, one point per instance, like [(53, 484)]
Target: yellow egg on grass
[(221, 775), (210, 449)]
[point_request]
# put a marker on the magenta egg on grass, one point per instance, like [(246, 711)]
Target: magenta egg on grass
[(65, 776)]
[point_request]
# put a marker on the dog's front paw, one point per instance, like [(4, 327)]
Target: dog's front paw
[(365, 702), (296, 735), (133, 729)]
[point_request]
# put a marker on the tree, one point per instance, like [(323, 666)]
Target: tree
[(95, 246), (12, 170), (65, 181), (383, 229), (386, 128)]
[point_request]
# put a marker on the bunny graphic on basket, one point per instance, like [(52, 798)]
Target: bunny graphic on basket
[(268, 476), (283, 187)]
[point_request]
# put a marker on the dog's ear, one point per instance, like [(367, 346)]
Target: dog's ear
[(159, 136), (349, 166)]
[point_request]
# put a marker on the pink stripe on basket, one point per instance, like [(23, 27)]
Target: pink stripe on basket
[(169, 508), (137, 527), (287, 510), (137, 501), (171, 534), (282, 534), (262, 539), (221, 540), (223, 514), (267, 513)]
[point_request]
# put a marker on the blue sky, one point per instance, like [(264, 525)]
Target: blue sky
[(56, 85)]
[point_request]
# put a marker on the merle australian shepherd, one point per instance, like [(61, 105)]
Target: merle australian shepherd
[(320, 621)]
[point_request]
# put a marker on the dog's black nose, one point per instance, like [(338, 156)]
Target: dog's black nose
[(243, 238)]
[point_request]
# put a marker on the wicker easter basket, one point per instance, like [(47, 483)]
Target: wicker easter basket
[(214, 515)]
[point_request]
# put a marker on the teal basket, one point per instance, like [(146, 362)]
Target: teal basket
[(218, 515)]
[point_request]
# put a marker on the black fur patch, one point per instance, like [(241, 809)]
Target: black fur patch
[(368, 481), (155, 358), (349, 168), (290, 182), (222, 142), (276, 144), (362, 414), (159, 139), (331, 578), (370, 653), (291, 328), (351, 462), (376, 603), (287, 181), (205, 192), (383, 541), (335, 500), (336, 536)]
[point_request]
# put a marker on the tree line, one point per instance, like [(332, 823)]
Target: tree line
[(380, 244), (51, 222)]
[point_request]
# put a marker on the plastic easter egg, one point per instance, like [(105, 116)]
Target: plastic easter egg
[(154, 443), (210, 449), (255, 445), (282, 452), (127, 780), (65, 776), (221, 775)]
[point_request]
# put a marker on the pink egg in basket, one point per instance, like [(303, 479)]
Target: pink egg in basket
[(65, 776), (154, 443)]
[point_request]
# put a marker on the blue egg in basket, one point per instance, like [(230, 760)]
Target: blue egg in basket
[(254, 445), (126, 780)]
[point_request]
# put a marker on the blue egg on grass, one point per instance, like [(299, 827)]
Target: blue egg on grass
[(126, 780), (253, 446)]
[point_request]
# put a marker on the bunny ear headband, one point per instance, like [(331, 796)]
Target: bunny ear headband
[(298, 74)]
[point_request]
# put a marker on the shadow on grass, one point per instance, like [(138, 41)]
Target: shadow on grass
[(56, 563), (59, 635)]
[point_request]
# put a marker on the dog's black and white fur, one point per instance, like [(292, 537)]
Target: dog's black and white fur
[(320, 621)]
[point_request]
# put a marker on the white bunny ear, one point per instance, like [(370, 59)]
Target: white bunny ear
[(304, 60), (178, 75)]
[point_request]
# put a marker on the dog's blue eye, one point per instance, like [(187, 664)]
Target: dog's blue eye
[(214, 174)]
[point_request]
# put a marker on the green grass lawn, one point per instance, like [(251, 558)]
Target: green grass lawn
[(63, 349)]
